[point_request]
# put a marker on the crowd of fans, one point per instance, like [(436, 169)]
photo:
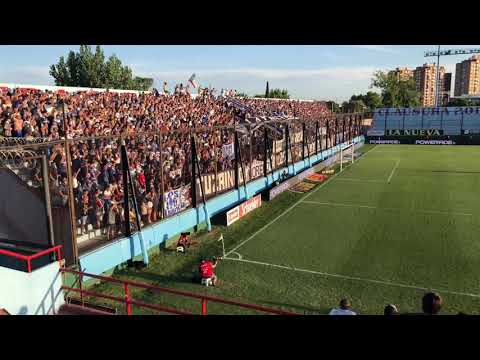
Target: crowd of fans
[(431, 305), (306, 110), (96, 164)]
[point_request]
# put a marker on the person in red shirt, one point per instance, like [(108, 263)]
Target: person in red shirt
[(206, 270), (184, 241)]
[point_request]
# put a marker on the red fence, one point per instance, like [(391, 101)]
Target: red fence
[(128, 301), (29, 258)]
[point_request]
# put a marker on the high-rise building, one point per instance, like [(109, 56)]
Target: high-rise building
[(403, 73), (447, 88), (426, 80), (467, 77)]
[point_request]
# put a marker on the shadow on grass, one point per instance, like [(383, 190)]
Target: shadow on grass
[(150, 277), (301, 309)]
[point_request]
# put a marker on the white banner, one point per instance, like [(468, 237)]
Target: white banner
[(228, 151)]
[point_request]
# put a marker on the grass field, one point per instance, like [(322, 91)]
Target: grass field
[(399, 221)]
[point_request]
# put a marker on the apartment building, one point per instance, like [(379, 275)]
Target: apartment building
[(467, 77)]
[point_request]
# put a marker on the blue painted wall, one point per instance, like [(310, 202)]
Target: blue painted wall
[(122, 250)]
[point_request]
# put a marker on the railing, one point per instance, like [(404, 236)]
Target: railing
[(128, 301), (29, 258)]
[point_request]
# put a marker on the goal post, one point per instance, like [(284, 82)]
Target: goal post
[(347, 154)]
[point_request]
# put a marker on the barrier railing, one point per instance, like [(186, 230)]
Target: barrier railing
[(29, 258), (128, 301)]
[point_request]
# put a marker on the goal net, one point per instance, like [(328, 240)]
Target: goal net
[(347, 154)]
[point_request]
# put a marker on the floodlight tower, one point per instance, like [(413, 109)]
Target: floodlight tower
[(447, 52)]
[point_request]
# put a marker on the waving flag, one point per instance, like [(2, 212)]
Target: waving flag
[(191, 81)]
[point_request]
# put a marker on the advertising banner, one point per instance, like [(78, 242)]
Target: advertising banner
[(380, 142), (414, 132), (435, 142), (241, 210)]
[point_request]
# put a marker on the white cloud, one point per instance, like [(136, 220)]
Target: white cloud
[(31, 74), (334, 73), (326, 83), (378, 48)]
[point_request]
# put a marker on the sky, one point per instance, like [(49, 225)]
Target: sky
[(321, 72)]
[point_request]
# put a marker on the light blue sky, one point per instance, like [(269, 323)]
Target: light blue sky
[(308, 72)]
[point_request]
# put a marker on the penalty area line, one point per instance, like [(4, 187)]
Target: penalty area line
[(294, 205), (354, 278), (419, 211), (393, 171)]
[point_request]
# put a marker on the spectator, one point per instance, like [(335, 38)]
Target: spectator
[(390, 309), (4, 312), (432, 303), (96, 164), (345, 308), (206, 270)]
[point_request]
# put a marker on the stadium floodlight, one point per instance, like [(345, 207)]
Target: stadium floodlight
[(452, 52)]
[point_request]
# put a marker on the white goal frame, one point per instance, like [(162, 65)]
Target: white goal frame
[(347, 149)]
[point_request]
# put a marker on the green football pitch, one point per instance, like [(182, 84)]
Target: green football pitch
[(400, 221)]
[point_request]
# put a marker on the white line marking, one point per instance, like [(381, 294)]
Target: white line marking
[(346, 277), (294, 205), (240, 257), (394, 209), (361, 180), (393, 171)]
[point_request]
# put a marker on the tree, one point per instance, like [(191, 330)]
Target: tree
[(279, 94), (371, 100), (267, 92), (463, 102), (333, 106), (87, 69), (396, 92), (141, 83), (241, 94)]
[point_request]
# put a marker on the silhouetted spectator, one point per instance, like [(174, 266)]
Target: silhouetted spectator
[(432, 303), (390, 309), (345, 308)]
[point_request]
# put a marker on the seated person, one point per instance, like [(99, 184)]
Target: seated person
[(432, 303), (206, 270), (184, 241), (345, 308), (390, 309)]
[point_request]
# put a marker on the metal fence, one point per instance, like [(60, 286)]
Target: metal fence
[(164, 174)]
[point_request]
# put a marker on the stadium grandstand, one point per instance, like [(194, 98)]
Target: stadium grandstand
[(127, 202), (102, 164)]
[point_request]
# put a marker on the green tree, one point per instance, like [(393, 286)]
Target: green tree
[(279, 94), (89, 69), (141, 83), (333, 106), (463, 102), (396, 92), (371, 100), (242, 94), (267, 91)]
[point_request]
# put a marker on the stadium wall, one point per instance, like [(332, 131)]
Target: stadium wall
[(60, 89), (120, 251), (35, 293)]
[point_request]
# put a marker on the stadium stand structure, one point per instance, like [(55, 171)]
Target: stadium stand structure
[(110, 163), (448, 120)]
